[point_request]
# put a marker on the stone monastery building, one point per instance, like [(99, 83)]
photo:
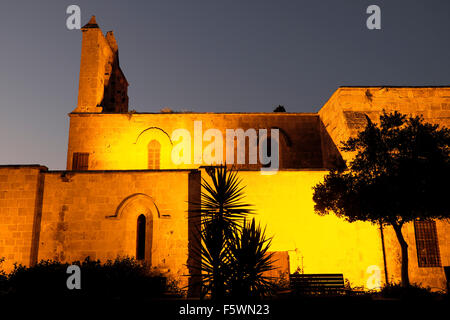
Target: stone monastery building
[(122, 193)]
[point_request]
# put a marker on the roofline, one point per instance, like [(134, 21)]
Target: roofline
[(409, 87), (119, 171), (44, 168), (72, 172), (267, 113), (19, 166), (184, 113)]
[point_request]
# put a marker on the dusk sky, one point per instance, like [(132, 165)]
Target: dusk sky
[(209, 56)]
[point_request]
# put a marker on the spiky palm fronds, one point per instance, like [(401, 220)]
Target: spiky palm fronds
[(248, 250), (228, 247), (221, 198)]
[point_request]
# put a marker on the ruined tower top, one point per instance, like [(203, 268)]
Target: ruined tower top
[(91, 24), (102, 86)]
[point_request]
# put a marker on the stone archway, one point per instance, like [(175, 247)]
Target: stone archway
[(132, 211)]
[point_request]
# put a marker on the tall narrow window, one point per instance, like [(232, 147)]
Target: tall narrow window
[(140, 241), (154, 151), (80, 161), (427, 244)]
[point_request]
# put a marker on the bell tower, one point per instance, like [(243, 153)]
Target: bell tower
[(102, 86)]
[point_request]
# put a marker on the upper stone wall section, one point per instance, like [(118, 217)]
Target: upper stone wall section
[(121, 141), (103, 86), (343, 115)]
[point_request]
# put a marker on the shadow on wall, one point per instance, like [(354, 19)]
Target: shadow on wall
[(332, 157)]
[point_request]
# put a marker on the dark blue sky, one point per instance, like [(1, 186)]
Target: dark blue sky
[(221, 56)]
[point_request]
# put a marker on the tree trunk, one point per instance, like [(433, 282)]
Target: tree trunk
[(404, 246), (218, 288)]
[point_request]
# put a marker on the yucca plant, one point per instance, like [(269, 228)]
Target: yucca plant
[(249, 260), (212, 261), (222, 198), (223, 212)]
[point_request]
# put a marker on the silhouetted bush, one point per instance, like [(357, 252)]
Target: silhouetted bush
[(3, 276), (413, 291), (122, 278)]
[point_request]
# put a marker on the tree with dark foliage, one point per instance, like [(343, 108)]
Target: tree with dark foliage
[(399, 174), (280, 108)]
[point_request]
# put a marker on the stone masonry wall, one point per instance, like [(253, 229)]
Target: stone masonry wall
[(343, 115), (316, 244), (119, 141), (20, 195), (433, 277), (102, 85), (95, 214)]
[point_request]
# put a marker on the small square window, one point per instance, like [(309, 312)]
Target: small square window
[(80, 161)]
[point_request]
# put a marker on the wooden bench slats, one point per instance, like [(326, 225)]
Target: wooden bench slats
[(317, 282), (317, 275)]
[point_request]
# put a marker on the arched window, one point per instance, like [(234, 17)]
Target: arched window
[(140, 238), (154, 153)]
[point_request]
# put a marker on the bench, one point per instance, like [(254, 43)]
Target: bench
[(317, 283)]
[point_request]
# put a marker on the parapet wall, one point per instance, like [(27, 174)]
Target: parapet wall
[(343, 115), (120, 141)]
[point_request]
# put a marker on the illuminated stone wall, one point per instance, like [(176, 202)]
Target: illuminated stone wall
[(95, 214), (119, 141), (20, 189), (343, 115), (316, 244), (328, 244), (102, 85), (433, 277)]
